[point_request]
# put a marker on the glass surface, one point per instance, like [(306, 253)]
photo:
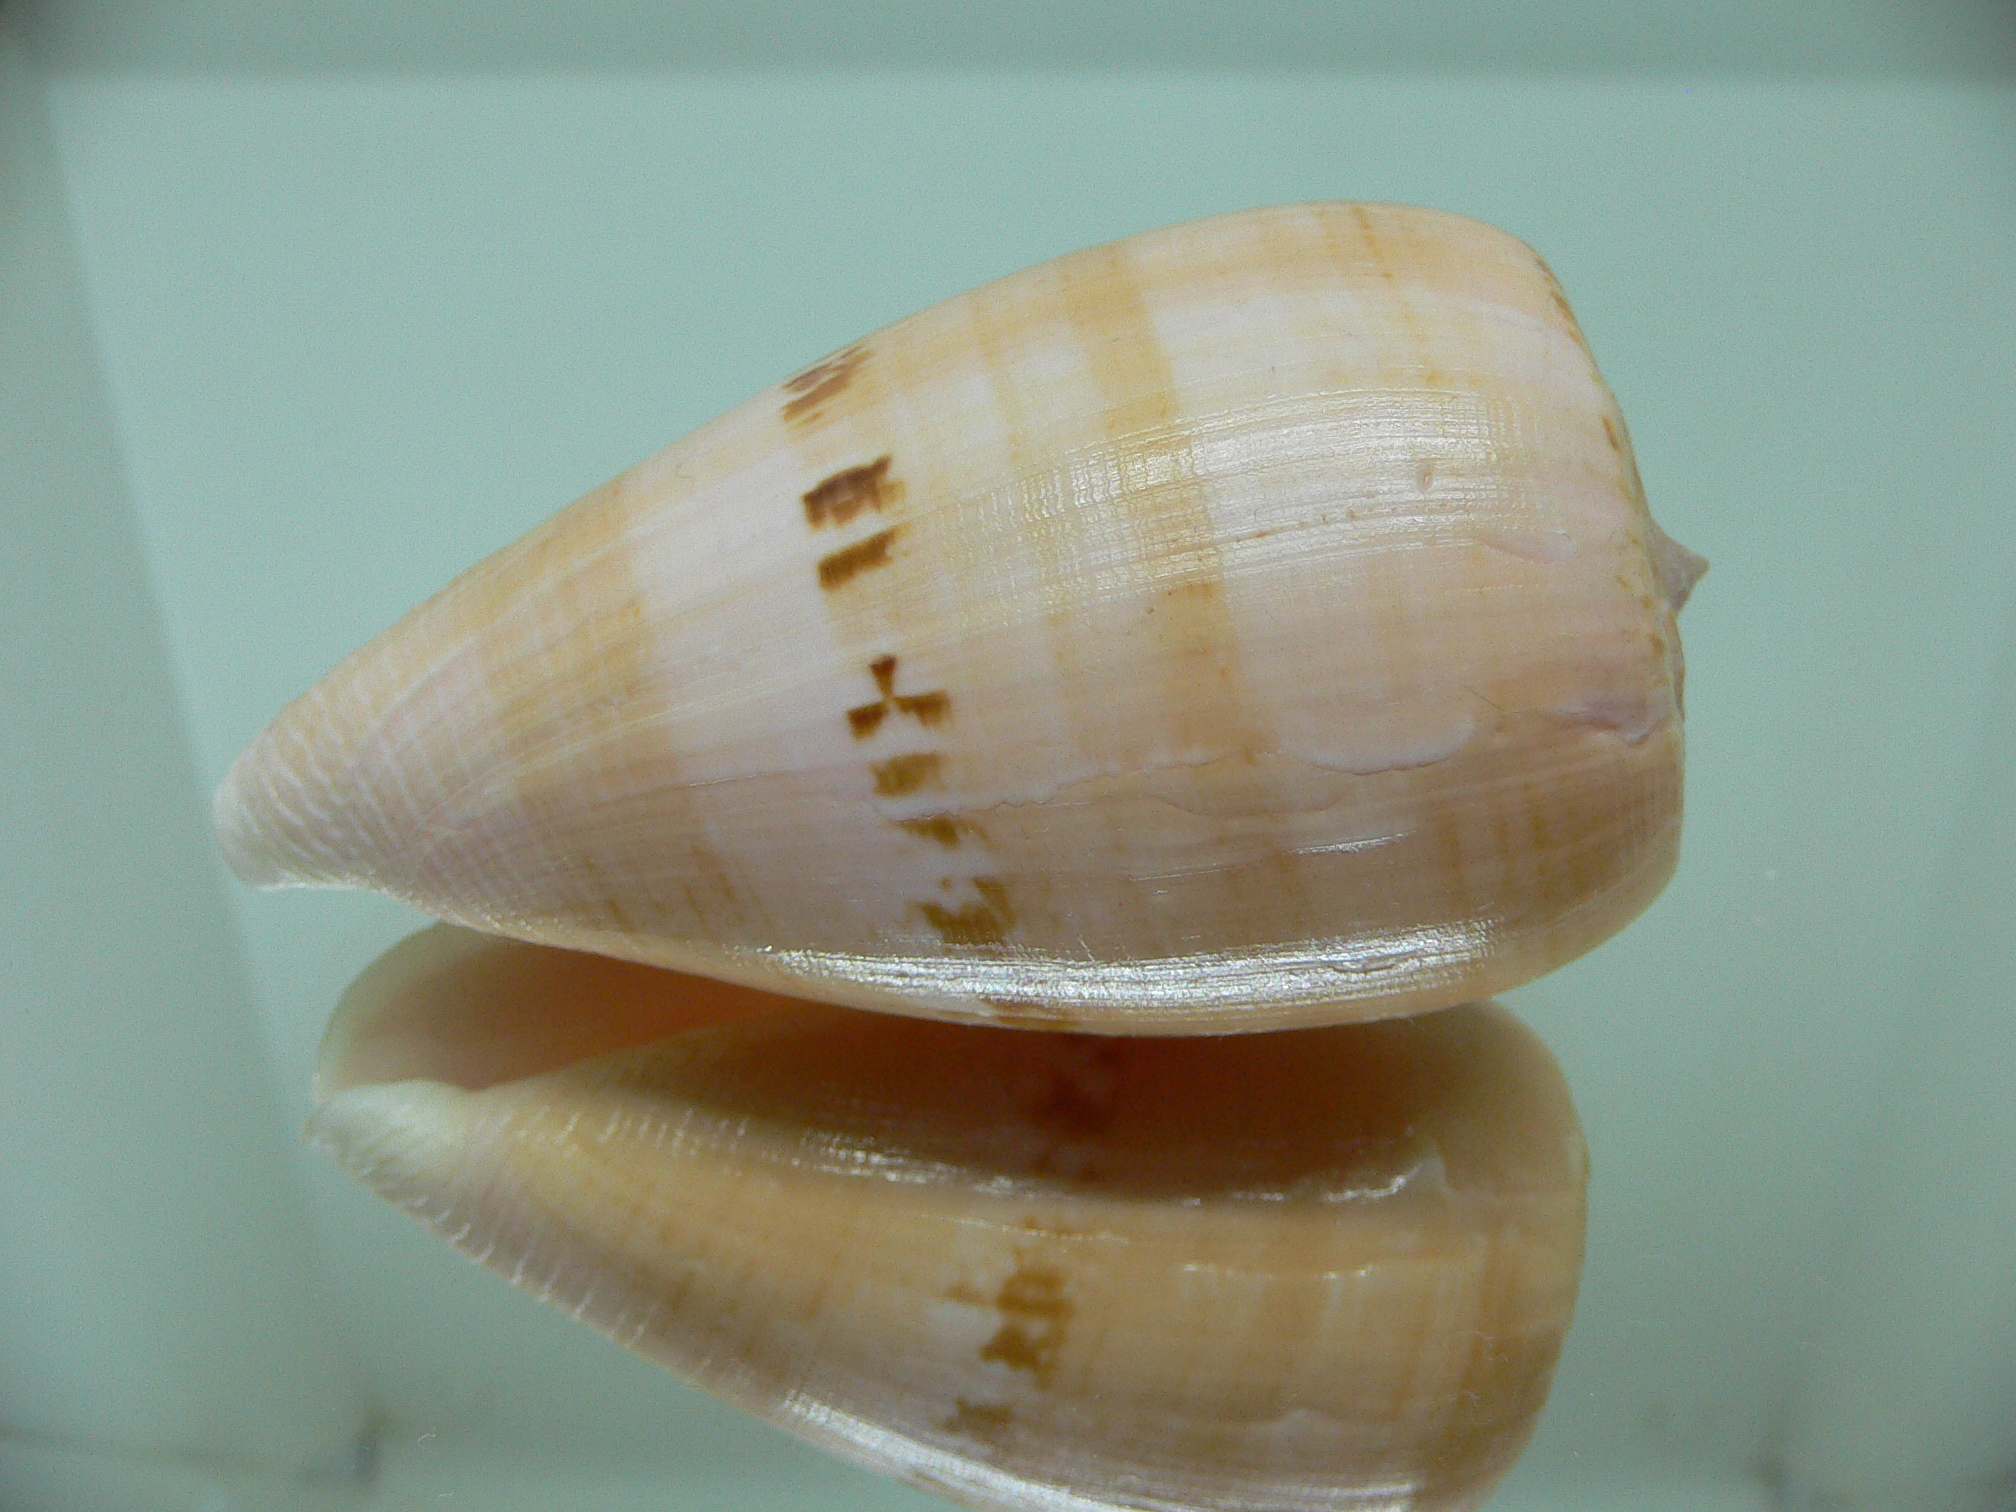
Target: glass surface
[(308, 340)]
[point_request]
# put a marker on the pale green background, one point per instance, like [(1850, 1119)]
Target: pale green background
[(309, 307)]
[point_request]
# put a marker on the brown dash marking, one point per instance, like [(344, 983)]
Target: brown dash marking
[(940, 827), (1561, 305), (906, 774), (979, 1420), (821, 382), (836, 500), (837, 568), (1035, 1313), (975, 924), (925, 708)]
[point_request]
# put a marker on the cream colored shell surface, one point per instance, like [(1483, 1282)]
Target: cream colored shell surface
[(1247, 624)]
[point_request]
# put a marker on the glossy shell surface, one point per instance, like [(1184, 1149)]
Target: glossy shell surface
[(1250, 624)]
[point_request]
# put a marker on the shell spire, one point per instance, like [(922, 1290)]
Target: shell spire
[(1248, 624)]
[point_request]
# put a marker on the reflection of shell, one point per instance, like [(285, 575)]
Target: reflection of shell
[(1252, 623), (1305, 1270)]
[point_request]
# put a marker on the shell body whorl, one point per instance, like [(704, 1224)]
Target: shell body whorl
[(1250, 624)]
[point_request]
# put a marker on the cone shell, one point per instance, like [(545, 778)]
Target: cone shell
[(1316, 1269), (1249, 624)]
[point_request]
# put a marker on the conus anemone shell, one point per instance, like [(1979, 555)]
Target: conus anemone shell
[(1317, 1269), (1248, 624)]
